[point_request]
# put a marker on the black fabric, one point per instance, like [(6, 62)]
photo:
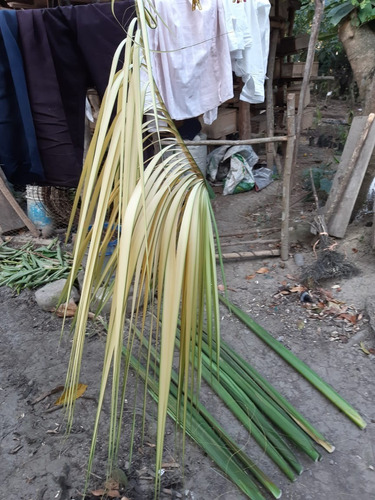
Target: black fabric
[(190, 128), (19, 156), (67, 50)]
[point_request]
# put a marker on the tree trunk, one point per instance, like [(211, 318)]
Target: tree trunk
[(359, 43)]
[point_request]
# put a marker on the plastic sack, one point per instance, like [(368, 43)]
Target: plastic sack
[(240, 176), (262, 177)]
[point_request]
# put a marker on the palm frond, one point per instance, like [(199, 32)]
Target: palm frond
[(165, 257)]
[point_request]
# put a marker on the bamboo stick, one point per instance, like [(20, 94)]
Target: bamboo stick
[(251, 242), (319, 9), (222, 142), (290, 148), (250, 255), (250, 231), (270, 149)]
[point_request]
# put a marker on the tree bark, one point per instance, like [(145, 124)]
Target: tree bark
[(359, 43)]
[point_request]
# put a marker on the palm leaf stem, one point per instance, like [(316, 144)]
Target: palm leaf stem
[(297, 364), (210, 436), (240, 365)]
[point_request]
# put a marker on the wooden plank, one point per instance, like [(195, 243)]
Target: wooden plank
[(350, 173), (293, 44), (12, 202), (9, 220)]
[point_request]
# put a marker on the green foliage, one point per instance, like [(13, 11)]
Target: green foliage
[(337, 11), (30, 267), (322, 176), (329, 52)]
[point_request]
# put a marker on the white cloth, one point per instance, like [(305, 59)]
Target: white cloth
[(191, 59), (249, 37)]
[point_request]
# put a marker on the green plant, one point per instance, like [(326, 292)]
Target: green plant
[(337, 10), (165, 255), (317, 118), (165, 259), (32, 267), (322, 176), (297, 364)]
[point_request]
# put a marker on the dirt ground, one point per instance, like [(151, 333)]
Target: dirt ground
[(38, 461)]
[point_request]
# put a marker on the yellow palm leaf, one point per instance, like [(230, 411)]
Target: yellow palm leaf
[(161, 217)]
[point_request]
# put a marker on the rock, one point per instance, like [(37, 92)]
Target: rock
[(299, 259), (300, 233), (107, 306), (96, 303), (48, 296)]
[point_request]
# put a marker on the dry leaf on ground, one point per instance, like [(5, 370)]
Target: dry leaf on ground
[(80, 390), (299, 288), (65, 310), (110, 493)]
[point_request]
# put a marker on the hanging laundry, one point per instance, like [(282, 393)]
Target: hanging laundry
[(66, 50), (249, 36), (190, 59), (19, 156)]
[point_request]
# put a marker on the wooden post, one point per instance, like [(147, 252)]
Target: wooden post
[(319, 8), (244, 123), (290, 147), (270, 148)]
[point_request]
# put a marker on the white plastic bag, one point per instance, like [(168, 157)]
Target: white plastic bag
[(240, 177)]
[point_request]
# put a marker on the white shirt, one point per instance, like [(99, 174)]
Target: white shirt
[(249, 34), (191, 59)]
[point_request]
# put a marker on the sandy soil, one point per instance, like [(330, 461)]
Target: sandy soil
[(40, 463)]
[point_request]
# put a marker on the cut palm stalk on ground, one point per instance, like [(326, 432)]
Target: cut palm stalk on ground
[(250, 400), (208, 434), (297, 364), (233, 358), (250, 416), (255, 423)]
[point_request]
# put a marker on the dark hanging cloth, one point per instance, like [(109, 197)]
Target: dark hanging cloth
[(19, 157), (66, 50)]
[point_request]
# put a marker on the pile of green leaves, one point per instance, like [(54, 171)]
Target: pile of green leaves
[(30, 267)]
